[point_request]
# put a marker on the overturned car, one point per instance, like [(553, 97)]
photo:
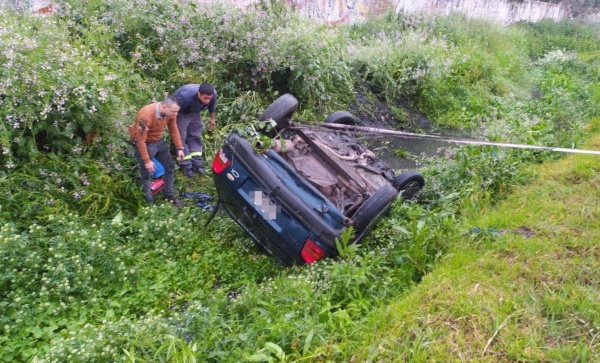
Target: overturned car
[(295, 198)]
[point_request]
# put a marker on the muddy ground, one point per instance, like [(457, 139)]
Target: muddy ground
[(373, 113)]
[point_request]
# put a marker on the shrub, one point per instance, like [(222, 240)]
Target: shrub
[(567, 35), (55, 98)]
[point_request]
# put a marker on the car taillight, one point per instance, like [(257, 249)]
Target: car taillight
[(220, 162), (311, 252)]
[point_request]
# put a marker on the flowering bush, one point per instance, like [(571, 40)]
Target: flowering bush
[(55, 97), (242, 49)]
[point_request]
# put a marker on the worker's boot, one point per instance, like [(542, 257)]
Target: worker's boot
[(188, 172), (176, 202)]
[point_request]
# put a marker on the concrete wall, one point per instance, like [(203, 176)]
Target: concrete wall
[(33, 5), (496, 10), (329, 11), (350, 11), (341, 11)]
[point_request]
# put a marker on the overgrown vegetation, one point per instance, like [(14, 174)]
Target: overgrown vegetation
[(91, 274), (518, 285)]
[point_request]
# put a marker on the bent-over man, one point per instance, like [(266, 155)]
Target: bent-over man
[(147, 135)]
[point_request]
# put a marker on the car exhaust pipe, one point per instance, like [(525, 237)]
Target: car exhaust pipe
[(282, 147)]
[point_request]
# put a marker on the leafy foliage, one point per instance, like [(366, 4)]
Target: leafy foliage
[(89, 274), (548, 36), (55, 98)]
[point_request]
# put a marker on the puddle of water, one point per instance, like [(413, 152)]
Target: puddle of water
[(387, 146)]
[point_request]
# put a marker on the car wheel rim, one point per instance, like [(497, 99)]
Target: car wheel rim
[(410, 189)]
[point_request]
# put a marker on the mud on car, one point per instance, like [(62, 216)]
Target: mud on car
[(296, 198)]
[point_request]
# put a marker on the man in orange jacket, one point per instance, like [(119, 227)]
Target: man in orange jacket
[(146, 133)]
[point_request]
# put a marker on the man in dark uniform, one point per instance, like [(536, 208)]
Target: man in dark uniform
[(193, 99)]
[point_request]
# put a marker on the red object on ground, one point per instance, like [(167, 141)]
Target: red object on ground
[(157, 185), (49, 9)]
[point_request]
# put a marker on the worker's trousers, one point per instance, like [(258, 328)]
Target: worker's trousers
[(190, 131), (160, 151)]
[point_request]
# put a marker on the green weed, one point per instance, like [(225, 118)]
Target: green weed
[(92, 274)]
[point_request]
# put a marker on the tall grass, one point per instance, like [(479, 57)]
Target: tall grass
[(518, 285), (91, 275)]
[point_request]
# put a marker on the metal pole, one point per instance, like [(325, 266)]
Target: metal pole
[(409, 135)]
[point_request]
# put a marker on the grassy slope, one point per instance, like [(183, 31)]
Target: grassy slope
[(527, 293)]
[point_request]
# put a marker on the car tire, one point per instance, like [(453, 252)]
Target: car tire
[(341, 117), (281, 110), (369, 213), (408, 184)]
